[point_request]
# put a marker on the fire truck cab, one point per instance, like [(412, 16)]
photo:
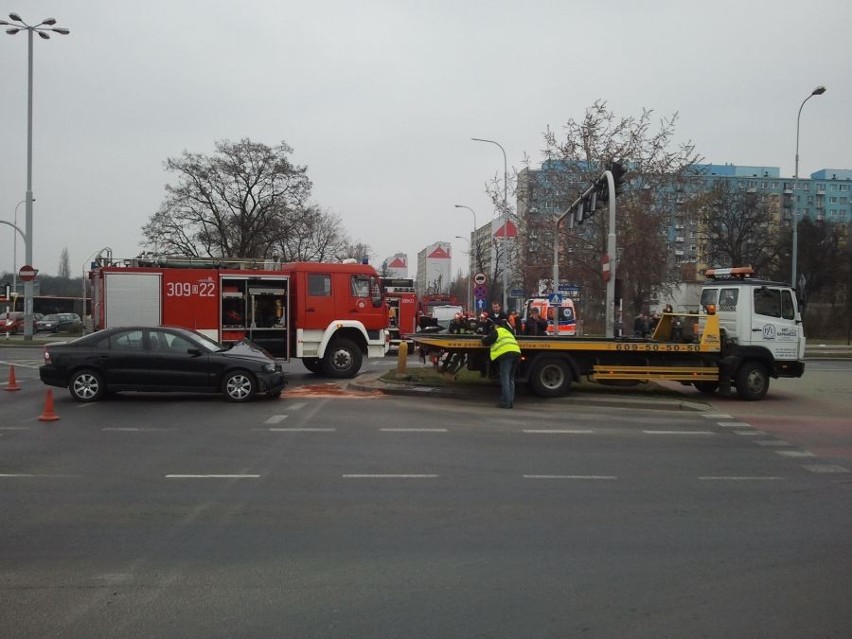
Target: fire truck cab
[(330, 316)]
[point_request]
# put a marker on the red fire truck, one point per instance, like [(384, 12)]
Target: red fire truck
[(402, 309), (330, 316)]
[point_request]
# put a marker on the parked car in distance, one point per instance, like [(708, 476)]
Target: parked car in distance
[(162, 359), (59, 323), (12, 322)]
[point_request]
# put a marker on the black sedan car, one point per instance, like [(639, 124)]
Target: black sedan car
[(59, 323), (159, 359)]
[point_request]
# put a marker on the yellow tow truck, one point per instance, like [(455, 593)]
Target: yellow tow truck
[(746, 332)]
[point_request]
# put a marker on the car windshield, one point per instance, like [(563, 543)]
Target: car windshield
[(50, 318), (207, 343)]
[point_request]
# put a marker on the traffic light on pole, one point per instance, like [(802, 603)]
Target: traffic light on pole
[(618, 171)]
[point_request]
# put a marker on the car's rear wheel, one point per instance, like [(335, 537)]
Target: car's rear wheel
[(86, 385), (239, 386)]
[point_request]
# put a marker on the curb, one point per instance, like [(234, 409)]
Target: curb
[(372, 382)]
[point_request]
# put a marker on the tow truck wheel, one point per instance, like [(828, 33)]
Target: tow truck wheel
[(550, 378), (313, 364), (706, 388), (86, 385), (752, 381), (342, 359), (238, 386)]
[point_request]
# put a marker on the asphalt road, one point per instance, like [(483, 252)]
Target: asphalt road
[(360, 515)]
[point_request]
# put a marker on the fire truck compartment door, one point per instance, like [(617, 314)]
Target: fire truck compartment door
[(132, 299)]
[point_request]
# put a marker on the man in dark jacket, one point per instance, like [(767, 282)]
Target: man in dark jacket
[(536, 325), (506, 352)]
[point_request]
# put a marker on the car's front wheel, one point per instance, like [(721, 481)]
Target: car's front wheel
[(239, 386), (86, 385)]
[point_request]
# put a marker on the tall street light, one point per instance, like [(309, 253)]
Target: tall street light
[(505, 216), (818, 91), (41, 29), (15, 252), (473, 236), (470, 275)]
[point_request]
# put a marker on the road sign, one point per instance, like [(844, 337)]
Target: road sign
[(27, 273), (517, 292), (480, 304), (554, 298), (480, 278), (480, 292)]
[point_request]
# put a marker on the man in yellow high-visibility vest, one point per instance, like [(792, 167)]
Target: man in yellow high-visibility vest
[(506, 352)]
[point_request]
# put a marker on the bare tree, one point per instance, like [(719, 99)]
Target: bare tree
[(64, 271), (738, 228), (234, 203), (576, 157)]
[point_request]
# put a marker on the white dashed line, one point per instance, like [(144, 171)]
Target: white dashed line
[(748, 433), (825, 468), (299, 430), (543, 431), (589, 477), (212, 476), (413, 430), (716, 416), (678, 432), (130, 429), (773, 442), (734, 478), (296, 406), (734, 425), (381, 476), (38, 476), (276, 419), (795, 453)]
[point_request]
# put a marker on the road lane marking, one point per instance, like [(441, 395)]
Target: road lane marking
[(388, 476), (212, 476), (276, 419), (748, 433), (298, 430), (825, 468), (773, 442), (413, 430), (736, 478), (678, 432), (716, 416), (795, 453), (130, 429), (296, 406), (589, 477), (34, 475), (734, 425), (14, 427), (544, 431)]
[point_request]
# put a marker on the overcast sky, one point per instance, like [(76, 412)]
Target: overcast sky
[(379, 99)]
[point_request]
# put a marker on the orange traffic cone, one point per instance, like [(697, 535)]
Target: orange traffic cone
[(13, 383), (48, 415)]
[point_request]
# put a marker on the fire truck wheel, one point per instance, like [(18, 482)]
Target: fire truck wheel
[(86, 385), (342, 359), (313, 364), (238, 386), (752, 381), (550, 378)]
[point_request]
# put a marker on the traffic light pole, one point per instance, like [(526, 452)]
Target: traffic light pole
[(610, 244), (610, 250)]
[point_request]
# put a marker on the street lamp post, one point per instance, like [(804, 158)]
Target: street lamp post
[(473, 235), (818, 91), (470, 275), (41, 29), (15, 252), (504, 216)]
